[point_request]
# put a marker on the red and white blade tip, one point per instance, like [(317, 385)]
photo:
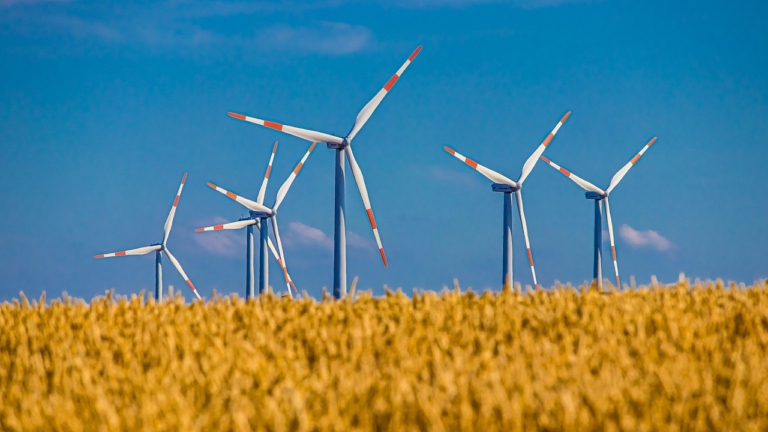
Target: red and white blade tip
[(236, 115), (415, 53)]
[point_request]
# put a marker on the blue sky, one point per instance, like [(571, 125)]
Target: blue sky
[(104, 106)]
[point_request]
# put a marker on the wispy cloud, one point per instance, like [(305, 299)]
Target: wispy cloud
[(305, 235), (645, 239), (325, 38), (228, 243), (300, 234), (454, 176)]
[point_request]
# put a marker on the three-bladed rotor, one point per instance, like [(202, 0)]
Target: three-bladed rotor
[(162, 247)]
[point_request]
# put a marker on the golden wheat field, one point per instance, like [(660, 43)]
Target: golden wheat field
[(661, 358)]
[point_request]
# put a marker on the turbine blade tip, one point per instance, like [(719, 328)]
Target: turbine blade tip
[(99, 256), (415, 53), (211, 185), (236, 115), (544, 159), (383, 257), (199, 229), (565, 117), (184, 179), (449, 150)]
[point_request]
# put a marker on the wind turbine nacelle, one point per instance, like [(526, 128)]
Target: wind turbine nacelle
[(336, 146), (257, 215), (500, 187), (594, 195)]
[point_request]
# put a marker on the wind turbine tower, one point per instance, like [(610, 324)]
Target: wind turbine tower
[(598, 195), (507, 186), (159, 248), (343, 147), (260, 215), (264, 241)]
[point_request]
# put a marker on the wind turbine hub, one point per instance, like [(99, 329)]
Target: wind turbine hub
[(257, 215), (501, 187), (595, 196), (336, 146)]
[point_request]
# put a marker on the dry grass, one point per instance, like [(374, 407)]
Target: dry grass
[(674, 358)]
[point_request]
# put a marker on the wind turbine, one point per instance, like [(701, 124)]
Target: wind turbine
[(159, 248), (259, 211), (507, 186), (343, 148), (598, 195), (248, 222)]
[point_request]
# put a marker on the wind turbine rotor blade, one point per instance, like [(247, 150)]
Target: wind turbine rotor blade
[(228, 226), (370, 107), (169, 221), (138, 251), (287, 185), (623, 171), (176, 264), (251, 205), (487, 172), (587, 186), (366, 201), (277, 258), (613, 247), (276, 230), (306, 134), (263, 189), (520, 210), (531, 162)]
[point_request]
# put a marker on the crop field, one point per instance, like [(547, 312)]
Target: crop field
[(678, 357)]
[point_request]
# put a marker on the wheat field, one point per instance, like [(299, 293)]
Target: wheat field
[(682, 357)]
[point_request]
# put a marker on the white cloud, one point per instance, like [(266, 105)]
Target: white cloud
[(648, 238), (228, 243), (326, 38), (357, 241), (454, 176), (305, 235), (301, 234)]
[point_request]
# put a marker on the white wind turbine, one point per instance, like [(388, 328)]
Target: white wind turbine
[(264, 213), (265, 242), (343, 148), (504, 184), (599, 195), (159, 248)]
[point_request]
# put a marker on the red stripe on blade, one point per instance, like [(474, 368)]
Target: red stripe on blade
[(99, 256), (565, 171), (545, 159), (391, 82), (634, 159), (231, 195), (176, 201), (183, 179), (119, 253), (189, 282), (218, 227), (530, 257), (449, 150), (471, 163), (370, 218), (272, 125), (548, 140), (237, 116), (269, 168), (383, 257), (415, 53), (298, 168), (613, 251)]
